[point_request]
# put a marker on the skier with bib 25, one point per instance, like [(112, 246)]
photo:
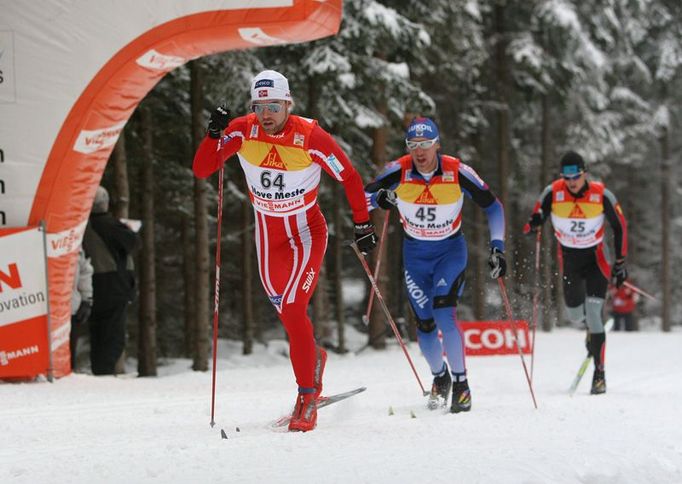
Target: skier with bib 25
[(578, 208)]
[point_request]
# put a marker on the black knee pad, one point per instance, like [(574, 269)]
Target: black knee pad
[(426, 325), (447, 301)]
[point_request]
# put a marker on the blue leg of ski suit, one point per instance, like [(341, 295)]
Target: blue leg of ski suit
[(434, 277)]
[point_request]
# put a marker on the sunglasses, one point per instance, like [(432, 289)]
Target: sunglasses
[(572, 177), (272, 107), (425, 145)]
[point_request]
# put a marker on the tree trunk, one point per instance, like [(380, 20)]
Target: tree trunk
[(392, 274), (146, 339), (665, 229), (377, 319), (188, 280), (247, 277), (121, 195), (120, 205), (337, 248), (503, 127), (321, 312), (477, 238), (201, 349), (558, 284), (545, 274)]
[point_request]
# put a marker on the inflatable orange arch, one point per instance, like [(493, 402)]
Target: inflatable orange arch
[(78, 141)]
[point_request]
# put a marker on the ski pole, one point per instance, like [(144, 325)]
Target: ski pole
[(377, 267), (640, 291), (216, 297), (507, 306), (387, 313), (536, 299)]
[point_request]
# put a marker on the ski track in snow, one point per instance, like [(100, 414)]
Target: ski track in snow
[(105, 429)]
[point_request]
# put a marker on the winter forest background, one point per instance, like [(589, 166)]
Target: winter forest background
[(513, 84)]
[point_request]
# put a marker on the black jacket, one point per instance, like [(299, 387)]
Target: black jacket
[(110, 243)]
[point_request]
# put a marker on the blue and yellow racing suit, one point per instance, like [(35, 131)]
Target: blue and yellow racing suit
[(434, 248)]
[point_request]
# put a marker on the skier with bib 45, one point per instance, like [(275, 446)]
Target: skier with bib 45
[(282, 156), (578, 208), (428, 189)]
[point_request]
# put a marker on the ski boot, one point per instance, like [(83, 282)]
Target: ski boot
[(598, 382), (440, 390), (461, 397), (304, 417)]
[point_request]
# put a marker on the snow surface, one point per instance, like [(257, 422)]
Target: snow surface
[(106, 429)]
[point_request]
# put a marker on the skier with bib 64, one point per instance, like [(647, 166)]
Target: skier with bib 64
[(282, 156)]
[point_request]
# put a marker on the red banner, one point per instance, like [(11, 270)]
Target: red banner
[(24, 349), (483, 338), (24, 341)]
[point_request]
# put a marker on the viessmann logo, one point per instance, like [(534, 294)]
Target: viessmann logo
[(95, 140), (66, 241), (162, 62), (7, 356)]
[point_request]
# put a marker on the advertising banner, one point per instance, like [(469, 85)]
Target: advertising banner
[(24, 343), (74, 71), (484, 338)]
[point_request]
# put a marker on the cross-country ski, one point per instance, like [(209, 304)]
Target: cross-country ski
[(321, 402)]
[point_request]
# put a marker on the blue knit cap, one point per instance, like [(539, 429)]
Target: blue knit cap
[(422, 128)]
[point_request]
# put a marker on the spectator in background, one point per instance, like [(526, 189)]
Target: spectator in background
[(109, 243), (81, 302), (624, 302)]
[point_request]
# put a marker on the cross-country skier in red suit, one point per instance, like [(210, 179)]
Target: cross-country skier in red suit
[(282, 156)]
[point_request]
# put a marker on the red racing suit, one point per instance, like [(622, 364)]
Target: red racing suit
[(283, 175)]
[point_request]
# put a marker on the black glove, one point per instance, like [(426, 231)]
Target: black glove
[(619, 273), (386, 199), (365, 238), (83, 313), (219, 119), (497, 263), (534, 223)]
